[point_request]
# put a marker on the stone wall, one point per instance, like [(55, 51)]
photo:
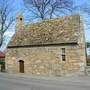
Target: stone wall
[(46, 61)]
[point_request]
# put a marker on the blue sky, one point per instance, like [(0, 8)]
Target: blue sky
[(18, 5), (85, 16)]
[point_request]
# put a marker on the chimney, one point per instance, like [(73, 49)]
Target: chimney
[(19, 22)]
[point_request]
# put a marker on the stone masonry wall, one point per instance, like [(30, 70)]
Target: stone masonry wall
[(46, 61)]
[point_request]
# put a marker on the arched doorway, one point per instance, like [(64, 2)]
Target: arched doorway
[(21, 66)]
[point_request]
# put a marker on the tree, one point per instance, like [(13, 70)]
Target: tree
[(44, 9), (6, 18), (88, 44), (88, 48)]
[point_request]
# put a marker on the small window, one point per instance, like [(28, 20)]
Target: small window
[(63, 58), (63, 54), (21, 19), (63, 50)]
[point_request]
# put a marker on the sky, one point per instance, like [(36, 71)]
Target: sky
[(85, 18), (18, 5)]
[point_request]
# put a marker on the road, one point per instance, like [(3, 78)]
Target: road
[(10, 82)]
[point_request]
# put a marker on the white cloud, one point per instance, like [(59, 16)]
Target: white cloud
[(7, 38), (3, 47), (9, 34)]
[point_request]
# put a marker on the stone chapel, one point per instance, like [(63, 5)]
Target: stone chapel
[(52, 47)]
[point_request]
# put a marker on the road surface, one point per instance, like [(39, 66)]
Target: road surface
[(10, 82)]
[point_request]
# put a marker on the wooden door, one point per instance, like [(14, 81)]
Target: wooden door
[(21, 66)]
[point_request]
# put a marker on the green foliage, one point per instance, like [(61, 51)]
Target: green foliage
[(2, 62), (88, 44)]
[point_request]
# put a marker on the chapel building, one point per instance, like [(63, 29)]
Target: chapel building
[(52, 47)]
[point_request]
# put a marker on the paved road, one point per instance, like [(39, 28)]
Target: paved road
[(8, 82)]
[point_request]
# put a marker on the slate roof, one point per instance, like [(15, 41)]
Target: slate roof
[(61, 30)]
